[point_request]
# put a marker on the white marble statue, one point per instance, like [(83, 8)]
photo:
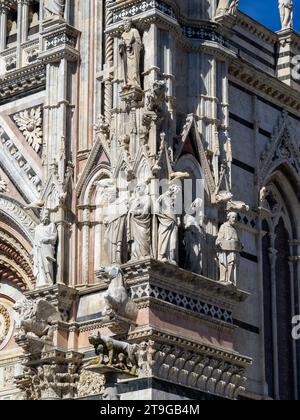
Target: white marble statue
[(115, 241), (229, 247), (194, 237), (168, 225), (130, 50), (286, 10), (227, 7), (54, 7), (45, 239), (139, 223)]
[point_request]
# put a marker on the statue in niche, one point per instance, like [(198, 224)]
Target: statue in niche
[(168, 225), (227, 7), (54, 7), (130, 49), (115, 223), (286, 10), (45, 239), (194, 237), (229, 247), (139, 223)]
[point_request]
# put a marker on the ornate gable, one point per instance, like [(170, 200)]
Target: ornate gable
[(281, 149), (191, 143)]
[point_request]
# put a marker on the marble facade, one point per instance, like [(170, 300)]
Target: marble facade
[(139, 128)]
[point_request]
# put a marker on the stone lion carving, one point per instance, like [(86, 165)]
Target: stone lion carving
[(116, 297), (36, 318)]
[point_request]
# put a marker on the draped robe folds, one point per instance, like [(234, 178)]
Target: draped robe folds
[(55, 7), (132, 57), (194, 238), (115, 235), (139, 229), (286, 13), (225, 6), (167, 236), (44, 254), (227, 258)]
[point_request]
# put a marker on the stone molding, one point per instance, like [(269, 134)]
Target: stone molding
[(22, 80), (196, 367)]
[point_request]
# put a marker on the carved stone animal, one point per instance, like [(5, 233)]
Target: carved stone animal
[(116, 297), (114, 348), (156, 97), (36, 318)]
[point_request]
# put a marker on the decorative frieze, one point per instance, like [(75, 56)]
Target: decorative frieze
[(160, 8), (186, 302), (191, 369)]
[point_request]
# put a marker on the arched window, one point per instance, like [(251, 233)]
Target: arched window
[(278, 295)]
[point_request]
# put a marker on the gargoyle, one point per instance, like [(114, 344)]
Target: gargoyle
[(116, 297), (156, 97)]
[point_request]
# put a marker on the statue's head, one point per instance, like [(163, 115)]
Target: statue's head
[(45, 216), (142, 189), (174, 189), (128, 23), (232, 218)]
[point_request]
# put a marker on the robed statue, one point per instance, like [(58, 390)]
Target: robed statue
[(45, 239), (139, 223), (229, 247), (54, 7), (130, 50)]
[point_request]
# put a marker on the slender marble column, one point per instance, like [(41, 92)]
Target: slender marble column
[(4, 8)]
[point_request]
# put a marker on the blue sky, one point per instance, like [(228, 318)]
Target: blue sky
[(266, 12)]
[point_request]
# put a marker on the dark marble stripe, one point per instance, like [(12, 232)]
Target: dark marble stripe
[(243, 166)]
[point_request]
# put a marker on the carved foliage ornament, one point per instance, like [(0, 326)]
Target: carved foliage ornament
[(30, 124), (4, 324), (3, 186)]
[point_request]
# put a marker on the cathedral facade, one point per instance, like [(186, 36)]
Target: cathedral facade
[(149, 201)]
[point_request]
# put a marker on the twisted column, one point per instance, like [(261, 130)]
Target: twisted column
[(109, 58)]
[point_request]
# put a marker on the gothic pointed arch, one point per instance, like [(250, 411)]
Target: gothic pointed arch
[(281, 150), (280, 225)]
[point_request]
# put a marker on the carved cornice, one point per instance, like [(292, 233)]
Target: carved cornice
[(22, 80), (188, 363), (160, 337), (182, 281), (265, 85)]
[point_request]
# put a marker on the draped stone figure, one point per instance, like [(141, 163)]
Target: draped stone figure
[(55, 7), (227, 7), (168, 226), (115, 223), (286, 10), (139, 223), (194, 237), (130, 50), (45, 239), (229, 247)]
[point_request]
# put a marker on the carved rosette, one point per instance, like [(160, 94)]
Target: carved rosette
[(29, 123)]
